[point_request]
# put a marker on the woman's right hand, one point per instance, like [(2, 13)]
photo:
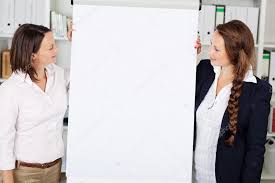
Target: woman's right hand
[(7, 176), (198, 45)]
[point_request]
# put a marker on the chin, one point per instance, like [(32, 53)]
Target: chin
[(214, 62)]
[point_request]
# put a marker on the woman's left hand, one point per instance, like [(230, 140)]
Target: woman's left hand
[(70, 29), (198, 45)]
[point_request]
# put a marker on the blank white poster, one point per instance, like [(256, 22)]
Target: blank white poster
[(132, 95)]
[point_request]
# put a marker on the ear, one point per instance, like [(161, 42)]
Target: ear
[(34, 56)]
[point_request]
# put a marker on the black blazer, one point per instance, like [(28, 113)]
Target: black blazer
[(243, 162)]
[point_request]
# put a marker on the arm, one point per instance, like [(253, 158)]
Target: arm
[(8, 176), (8, 116), (256, 134), (204, 69)]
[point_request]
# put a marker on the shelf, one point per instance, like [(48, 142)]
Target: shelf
[(270, 45), (5, 36), (9, 36), (208, 44), (266, 176), (60, 38), (271, 134)]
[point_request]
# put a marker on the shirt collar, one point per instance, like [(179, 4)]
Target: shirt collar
[(26, 77), (22, 76), (249, 76)]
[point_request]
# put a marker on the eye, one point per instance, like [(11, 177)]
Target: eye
[(51, 48), (216, 49)]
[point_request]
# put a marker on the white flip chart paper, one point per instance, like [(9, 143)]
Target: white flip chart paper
[(132, 95)]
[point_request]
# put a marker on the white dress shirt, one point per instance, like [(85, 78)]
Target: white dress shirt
[(209, 118), (31, 120)]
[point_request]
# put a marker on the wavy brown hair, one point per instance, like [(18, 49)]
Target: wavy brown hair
[(239, 46), (27, 40)]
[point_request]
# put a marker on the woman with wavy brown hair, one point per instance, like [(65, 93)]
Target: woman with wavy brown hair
[(231, 110)]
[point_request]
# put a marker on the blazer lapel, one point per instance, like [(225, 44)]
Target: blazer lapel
[(204, 89), (224, 125)]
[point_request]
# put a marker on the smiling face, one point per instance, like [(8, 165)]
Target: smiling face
[(217, 51), (47, 51)]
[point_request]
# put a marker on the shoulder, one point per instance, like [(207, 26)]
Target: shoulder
[(204, 69), (263, 90), (9, 95), (205, 63), (260, 91), (205, 66), (262, 87), (8, 88)]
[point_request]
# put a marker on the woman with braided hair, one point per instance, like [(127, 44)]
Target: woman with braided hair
[(231, 110)]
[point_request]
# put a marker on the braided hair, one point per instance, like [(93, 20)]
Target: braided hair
[(239, 45)]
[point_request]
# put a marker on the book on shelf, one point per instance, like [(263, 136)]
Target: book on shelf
[(0, 68), (265, 65), (271, 124), (59, 24), (271, 120), (6, 66), (272, 70)]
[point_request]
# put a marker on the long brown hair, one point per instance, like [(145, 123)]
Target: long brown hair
[(239, 45), (27, 40)]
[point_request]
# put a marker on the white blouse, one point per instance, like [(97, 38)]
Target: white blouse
[(209, 118), (31, 120)]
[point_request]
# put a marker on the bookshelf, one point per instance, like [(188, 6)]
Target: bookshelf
[(9, 36)]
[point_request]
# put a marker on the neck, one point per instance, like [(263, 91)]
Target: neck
[(41, 75), (227, 71)]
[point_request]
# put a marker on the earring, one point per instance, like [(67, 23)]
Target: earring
[(27, 67)]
